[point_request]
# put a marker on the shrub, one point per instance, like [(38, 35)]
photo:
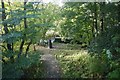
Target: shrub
[(108, 40), (16, 70), (114, 74), (84, 65)]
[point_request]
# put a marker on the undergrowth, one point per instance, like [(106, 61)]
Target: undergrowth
[(29, 67)]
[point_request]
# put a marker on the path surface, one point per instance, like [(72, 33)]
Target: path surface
[(52, 69)]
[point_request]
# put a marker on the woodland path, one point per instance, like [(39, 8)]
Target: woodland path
[(51, 66)]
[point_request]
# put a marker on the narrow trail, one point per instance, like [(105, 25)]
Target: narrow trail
[(51, 66)]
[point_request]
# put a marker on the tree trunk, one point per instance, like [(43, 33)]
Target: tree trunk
[(95, 19), (102, 16), (119, 13), (4, 24), (49, 44), (102, 25), (27, 49), (93, 28), (12, 46), (25, 21), (21, 48), (34, 47), (9, 47), (25, 26)]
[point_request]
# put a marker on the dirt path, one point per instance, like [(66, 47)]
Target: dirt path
[(52, 69)]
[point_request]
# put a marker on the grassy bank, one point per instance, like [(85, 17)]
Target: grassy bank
[(78, 63)]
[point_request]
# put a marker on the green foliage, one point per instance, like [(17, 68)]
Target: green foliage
[(11, 71), (11, 37), (114, 74), (111, 40), (8, 54), (18, 68), (31, 22), (81, 64), (28, 22), (76, 22), (97, 66)]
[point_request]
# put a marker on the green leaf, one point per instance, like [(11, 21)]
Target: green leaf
[(117, 49), (11, 37)]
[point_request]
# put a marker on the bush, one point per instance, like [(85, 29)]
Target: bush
[(84, 65), (114, 74), (108, 40), (17, 69)]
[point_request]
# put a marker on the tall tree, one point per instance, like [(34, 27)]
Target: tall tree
[(95, 19), (25, 26), (102, 5), (4, 23), (119, 13)]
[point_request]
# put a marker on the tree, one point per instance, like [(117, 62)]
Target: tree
[(25, 25), (76, 22), (18, 27), (5, 24), (48, 17)]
